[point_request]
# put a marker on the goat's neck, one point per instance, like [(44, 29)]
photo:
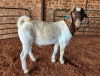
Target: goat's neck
[(71, 25)]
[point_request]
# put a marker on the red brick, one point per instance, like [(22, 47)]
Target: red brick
[(50, 5)]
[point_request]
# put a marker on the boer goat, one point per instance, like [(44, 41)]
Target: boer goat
[(45, 33)]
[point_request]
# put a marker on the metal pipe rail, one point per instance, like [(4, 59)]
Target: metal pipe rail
[(11, 23)]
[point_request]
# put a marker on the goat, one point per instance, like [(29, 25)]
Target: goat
[(45, 33)]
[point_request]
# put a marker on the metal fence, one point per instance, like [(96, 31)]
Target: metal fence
[(8, 28)]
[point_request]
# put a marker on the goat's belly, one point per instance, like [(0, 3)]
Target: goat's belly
[(46, 42), (47, 37)]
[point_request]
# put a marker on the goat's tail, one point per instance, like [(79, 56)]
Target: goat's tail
[(22, 19)]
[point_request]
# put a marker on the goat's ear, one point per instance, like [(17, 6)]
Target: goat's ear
[(70, 12), (84, 14), (72, 9)]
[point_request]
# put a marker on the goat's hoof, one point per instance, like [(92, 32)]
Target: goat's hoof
[(62, 62), (34, 59), (26, 71), (53, 60)]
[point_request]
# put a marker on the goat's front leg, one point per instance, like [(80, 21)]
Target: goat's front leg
[(56, 46), (62, 48), (23, 56)]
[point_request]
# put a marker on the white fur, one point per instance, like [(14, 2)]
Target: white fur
[(78, 9), (42, 33)]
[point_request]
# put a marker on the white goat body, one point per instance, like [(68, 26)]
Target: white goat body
[(42, 33)]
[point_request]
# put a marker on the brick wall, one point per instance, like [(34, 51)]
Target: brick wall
[(35, 7), (51, 5)]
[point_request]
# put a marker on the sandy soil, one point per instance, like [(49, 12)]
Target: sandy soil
[(82, 58)]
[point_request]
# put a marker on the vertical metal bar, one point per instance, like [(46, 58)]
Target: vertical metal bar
[(42, 10), (53, 15), (85, 18)]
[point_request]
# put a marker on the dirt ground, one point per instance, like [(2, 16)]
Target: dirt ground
[(82, 58)]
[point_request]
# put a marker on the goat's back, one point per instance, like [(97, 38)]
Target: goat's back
[(46, 32)]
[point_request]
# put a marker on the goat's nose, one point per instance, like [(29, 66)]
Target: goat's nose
[(79, 21)]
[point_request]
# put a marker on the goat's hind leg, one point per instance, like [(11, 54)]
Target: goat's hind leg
[(27, 44), (23, 56), (31, 55), (26, 50)]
